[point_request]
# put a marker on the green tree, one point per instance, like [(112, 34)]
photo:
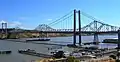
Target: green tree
[(11, 36), (76, 60), (72, 59)]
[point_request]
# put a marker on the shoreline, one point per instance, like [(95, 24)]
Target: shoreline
[(18, 40)]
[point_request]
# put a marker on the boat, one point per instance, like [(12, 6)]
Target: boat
[(5, 52), (113, 40), (60, 52), (34, 53), (40, 39), (91, 43)]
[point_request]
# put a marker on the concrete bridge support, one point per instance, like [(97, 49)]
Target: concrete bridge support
[(118, 38), (118, 45), (4, 30), (96, 39)]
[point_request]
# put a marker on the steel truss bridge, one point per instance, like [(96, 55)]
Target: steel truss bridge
[(103, 28)]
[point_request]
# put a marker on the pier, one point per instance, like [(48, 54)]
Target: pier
[(34, 53)]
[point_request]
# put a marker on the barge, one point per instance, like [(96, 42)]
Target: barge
[(114, 41), (5, 52), (40, 39)]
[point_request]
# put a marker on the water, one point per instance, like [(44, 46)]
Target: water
[(15, 46)]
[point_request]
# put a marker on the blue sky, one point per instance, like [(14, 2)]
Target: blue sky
[(30, 13)]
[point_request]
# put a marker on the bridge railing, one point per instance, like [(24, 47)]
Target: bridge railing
[(71, 30)]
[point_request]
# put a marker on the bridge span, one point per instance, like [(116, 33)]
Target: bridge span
[(77, 32)]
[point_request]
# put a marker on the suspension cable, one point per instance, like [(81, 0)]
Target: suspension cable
[(60, 18)]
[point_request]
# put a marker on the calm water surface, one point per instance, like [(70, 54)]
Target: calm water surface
[(15, 46)]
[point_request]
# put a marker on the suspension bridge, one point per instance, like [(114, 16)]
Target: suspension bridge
[(71, 23), (96, 27), (64, 26)]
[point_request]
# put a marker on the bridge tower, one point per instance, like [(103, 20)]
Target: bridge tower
[(74, 28), (4, 30), (79, 23)]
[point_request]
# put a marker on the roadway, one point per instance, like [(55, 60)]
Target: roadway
[(77, 32)]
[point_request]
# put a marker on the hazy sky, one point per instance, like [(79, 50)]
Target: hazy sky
[(31, 13)]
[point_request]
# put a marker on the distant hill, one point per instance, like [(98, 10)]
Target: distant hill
[(43, 27)]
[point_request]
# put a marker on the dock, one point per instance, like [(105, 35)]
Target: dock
[(108, 52), (35, 54), (89, 43)]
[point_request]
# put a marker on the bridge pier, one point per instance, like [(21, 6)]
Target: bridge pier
[(96, 38), (118, 45), (4, 30), (118, 38), (46, 35)]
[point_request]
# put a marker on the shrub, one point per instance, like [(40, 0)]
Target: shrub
[(59, 54), (112, 56), (72, 59)]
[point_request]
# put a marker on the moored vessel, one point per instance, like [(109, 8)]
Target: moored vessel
[(34, 53), (39, 39), (5, 52)]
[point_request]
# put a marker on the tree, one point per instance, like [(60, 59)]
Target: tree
[(11, 36), (72, 59), (76, 60)]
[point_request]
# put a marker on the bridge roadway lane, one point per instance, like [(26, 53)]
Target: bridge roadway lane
[(77, 32)]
